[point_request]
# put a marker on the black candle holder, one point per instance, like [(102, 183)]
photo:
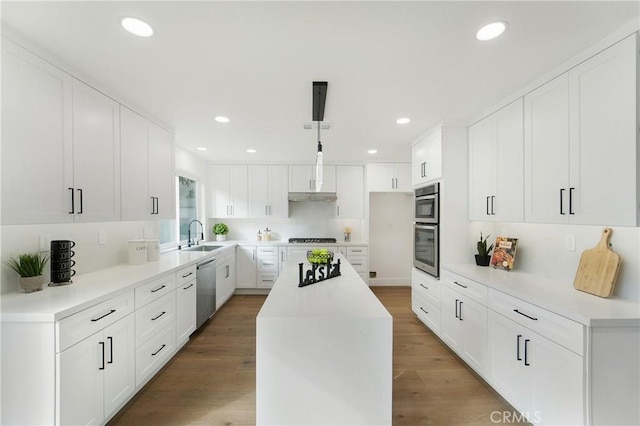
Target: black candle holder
[(318, 272)]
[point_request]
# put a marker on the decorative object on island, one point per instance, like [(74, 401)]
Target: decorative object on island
[(30, 267), (484, 254), (220, 230), (320, 260), (505, 253), (347, 234), (319, 256), (598, 268)]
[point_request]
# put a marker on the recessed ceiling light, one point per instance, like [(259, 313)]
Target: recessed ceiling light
[(491, 31), (201, 148), (221, 119), (403, 120), (137, 27), (373, 151), (251, 151)]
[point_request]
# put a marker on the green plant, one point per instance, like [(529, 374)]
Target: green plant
[(28, 264), (482, 246), (220, 229)]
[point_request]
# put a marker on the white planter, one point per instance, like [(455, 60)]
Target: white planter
[(220, 237)]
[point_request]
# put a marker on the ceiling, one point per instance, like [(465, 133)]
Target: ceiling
[(255, 62)]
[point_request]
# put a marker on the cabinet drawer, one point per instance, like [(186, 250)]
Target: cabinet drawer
[(83, 324), (155, 316), (357, 251), (268, 265), (266, 280), (469, 288), (359, 263), (155, 289), (554, 327), (154, 353), (185, 275), (269, 251), (426, 311), (426, 286)]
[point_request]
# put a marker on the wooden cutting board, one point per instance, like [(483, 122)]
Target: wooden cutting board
[(598, 268)]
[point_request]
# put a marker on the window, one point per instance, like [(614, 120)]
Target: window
[(186, 211)]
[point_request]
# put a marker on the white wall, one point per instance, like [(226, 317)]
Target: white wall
[(391, 237)]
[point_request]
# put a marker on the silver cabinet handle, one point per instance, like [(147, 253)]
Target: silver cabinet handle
[(338, 213)]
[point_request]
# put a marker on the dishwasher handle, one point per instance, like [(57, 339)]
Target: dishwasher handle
[(203, 264)]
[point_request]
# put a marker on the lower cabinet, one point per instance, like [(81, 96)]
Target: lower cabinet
[(225, 277), (96, 376), (246, 267), (186, 299)]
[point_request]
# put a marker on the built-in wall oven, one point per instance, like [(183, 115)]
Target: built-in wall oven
[(426, 232)]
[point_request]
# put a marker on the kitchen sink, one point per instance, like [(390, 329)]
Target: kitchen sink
[(201, 248)]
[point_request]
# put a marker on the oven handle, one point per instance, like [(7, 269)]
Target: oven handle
[(427, 197), (424, 226)]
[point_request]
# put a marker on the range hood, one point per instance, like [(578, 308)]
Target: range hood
[(313, 196)]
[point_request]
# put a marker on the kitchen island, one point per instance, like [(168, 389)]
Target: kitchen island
[(323, 352)]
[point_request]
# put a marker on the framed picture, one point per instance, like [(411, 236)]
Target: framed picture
[(504, 253)]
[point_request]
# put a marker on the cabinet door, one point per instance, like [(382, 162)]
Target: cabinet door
[(482, 168), (328, 178), (220, 183), (451, 326), (161, 172), (246, 267), (37, 158), (509, 176), (419, 154), (282, 255), (96, 155), (185, 311), (403, 177), (473, 316), (350, 192), (120, 369), (80, 382), (433, 166), (258, 191), (279, 191), (239, 191), (301, 179), (134, 133), (380, 177), (603, 137), (546, 152)]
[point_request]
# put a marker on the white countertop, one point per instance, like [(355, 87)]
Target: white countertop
[(340, 297), (54, 303), (558, 297), (287, 243)]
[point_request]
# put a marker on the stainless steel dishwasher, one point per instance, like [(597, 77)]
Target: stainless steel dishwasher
[(206, 290)]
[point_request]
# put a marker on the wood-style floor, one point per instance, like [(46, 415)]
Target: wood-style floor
[(212, 380)]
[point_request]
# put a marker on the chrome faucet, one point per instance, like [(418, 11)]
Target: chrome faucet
[(189, 243)]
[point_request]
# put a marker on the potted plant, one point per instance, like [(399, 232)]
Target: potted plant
[(484, 254), (30, 267), (220, 230)]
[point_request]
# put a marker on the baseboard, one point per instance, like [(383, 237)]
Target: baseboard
[(397, 282)]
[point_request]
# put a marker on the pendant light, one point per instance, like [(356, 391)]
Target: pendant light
[(319, 99)]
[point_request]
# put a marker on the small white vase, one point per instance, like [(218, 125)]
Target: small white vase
[(220, 237), (31, 284)]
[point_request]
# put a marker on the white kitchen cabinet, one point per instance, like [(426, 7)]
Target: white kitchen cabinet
[(246, 266), (97, 375), (282, 256), (496, 179), (571, 175), (425, 299), (267, 264), (349, 191), (186, 299), (36, 118), (229, 190), (268, 191), (426, 158), (147, 169), (302, 178), (225, 277), (389, 177), (358, 257), (540, 378)]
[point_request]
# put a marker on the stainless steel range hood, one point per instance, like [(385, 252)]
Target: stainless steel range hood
[(313, 196)]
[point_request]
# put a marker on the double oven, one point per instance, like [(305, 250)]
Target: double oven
[(426, 236)]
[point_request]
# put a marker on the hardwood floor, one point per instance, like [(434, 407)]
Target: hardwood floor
[(212, 380)]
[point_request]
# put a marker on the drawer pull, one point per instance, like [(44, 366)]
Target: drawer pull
[(188, 287), (426, 312), (461, 285), (356, 264), (424, 286), (158, 351), (159, 288), (267, 281), (163, 312), (356, 251), (185, 276), (525, 315), (107, 314)]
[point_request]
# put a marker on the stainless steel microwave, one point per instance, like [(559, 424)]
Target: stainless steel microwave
[(427, 204), (426, 248)]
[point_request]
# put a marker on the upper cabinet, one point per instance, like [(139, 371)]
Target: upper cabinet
[(581, 143), (495, 166), (350, 191), (268, 191), (389, 177), (302, 178), (426, 158), (229, 190), (147, 169)]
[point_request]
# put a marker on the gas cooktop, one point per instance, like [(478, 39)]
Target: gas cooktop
[(313, 240)]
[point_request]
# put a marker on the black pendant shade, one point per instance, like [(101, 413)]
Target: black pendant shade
[(319, 99)]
